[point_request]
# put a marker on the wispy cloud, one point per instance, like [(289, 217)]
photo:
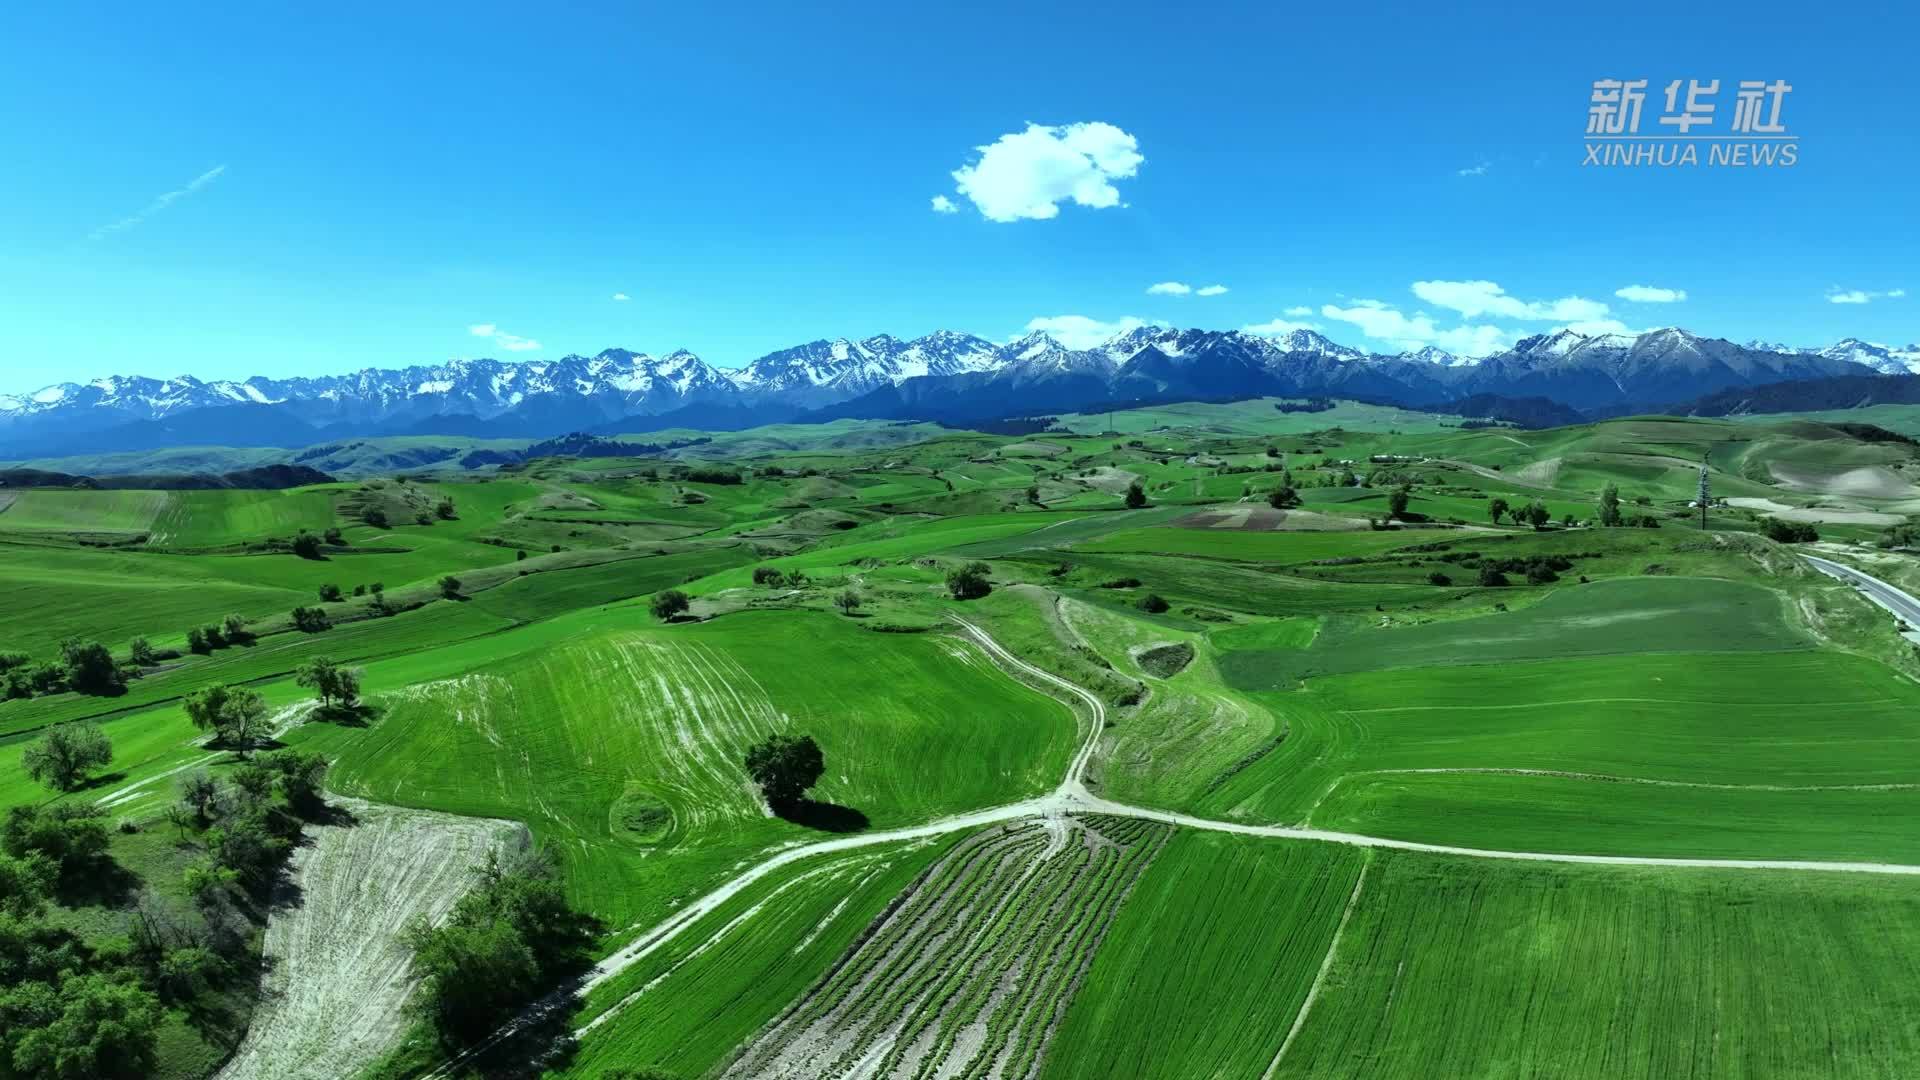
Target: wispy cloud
[(1478, 169), (158, 204), (944, 205), (1650, 294), (1837, 295), (621, 296), (1210, 290), (1299, 312), (1169, 288), (1028, 174), (503, 340), (1475, 298)]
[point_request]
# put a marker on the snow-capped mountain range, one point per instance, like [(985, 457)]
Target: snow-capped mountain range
[(944, 375), (1885, 359)]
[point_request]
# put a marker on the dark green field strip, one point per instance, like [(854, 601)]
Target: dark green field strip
[(1208, 962), (1629, 615), (543, 595), (1241, 588), (1599, 817), (1084, 527), (1455, 968)]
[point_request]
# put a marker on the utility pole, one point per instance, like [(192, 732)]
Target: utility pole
[(1706, 492)]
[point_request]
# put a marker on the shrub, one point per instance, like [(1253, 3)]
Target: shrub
[(1153, 603), (90, 668), (197, 641), (1491, 577), (969, 582), (1789, 532), (450, 587), (141, 652), (310, 620), (331, 594), (63, 756), (306, 545), (1438, 578)]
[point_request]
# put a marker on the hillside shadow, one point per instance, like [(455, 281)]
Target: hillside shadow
[(826, 817)]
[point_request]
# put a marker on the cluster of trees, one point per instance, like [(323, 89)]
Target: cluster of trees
[(310, 620), (1535, 513), (1789, 532), (231, 630), (507, 942), (84, 667), (1899, 536), (970, 582), (337, 688), (710, 474), (307, 545), (65, 1009), (773, 577)]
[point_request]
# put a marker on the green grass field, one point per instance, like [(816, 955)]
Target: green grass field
[(1699, 695)]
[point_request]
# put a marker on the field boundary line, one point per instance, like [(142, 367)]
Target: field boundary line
[(1320, 977)]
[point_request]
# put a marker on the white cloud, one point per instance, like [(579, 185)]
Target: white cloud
[(1169, 288), (1298, 312), (1028, 174), (1386, 323), (944, 205), (502, 339), (621, 296), (1277, 327), (1650, 294), (1837, 295), (1479, 169), (159, 204), (1210, 290), (1475, 298), (1081, 332)]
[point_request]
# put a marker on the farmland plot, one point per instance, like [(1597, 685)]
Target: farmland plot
[(338, 978), (969, 975)]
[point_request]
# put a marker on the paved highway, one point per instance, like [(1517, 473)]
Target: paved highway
[(1903, 604)]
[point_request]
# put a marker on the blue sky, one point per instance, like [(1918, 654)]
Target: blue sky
[(227, 191)]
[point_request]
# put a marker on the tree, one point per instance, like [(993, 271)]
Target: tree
[(1033, 494), (1535, 514), (847, 600), (769, 576), (1397, 501), (1492, 577), (94, 1026), (450, 587), (785, 766), (63, 756), (1283, 497), (374, 516), (1438, 578), (444, 509), (1153, 603), (234, 626), (90, 667), (969, 582), (306, 545), (330, 593), (669, 602), (310, 620), (337, 687), (197, 641), (200, 793), (301, 773), (140, 653), (1136, 496), (334, 536), (1610, 505), (1496, 508), (1789, 532), (237, 716)]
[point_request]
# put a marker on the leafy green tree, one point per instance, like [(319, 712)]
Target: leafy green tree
[(306, 545), (90, 667), (769, 576), (301, 773), (1789, 532), (236, 715), (1438, 578), (1136, 496), (1153, 603), (970, 582), (1283, 497), (1610, 505), (25, 884), (669, 602), (785, 766), (337, 687), (200, 794), (847, 600), (1495, 508), (234, 627), (1397, 501), (1492, 577), (450, 587), (310, 620), (444, 509), (72, 836), (197, 641), (92, 1026), (331, 594), (1535, 514), (140, 653), (63, 756)]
